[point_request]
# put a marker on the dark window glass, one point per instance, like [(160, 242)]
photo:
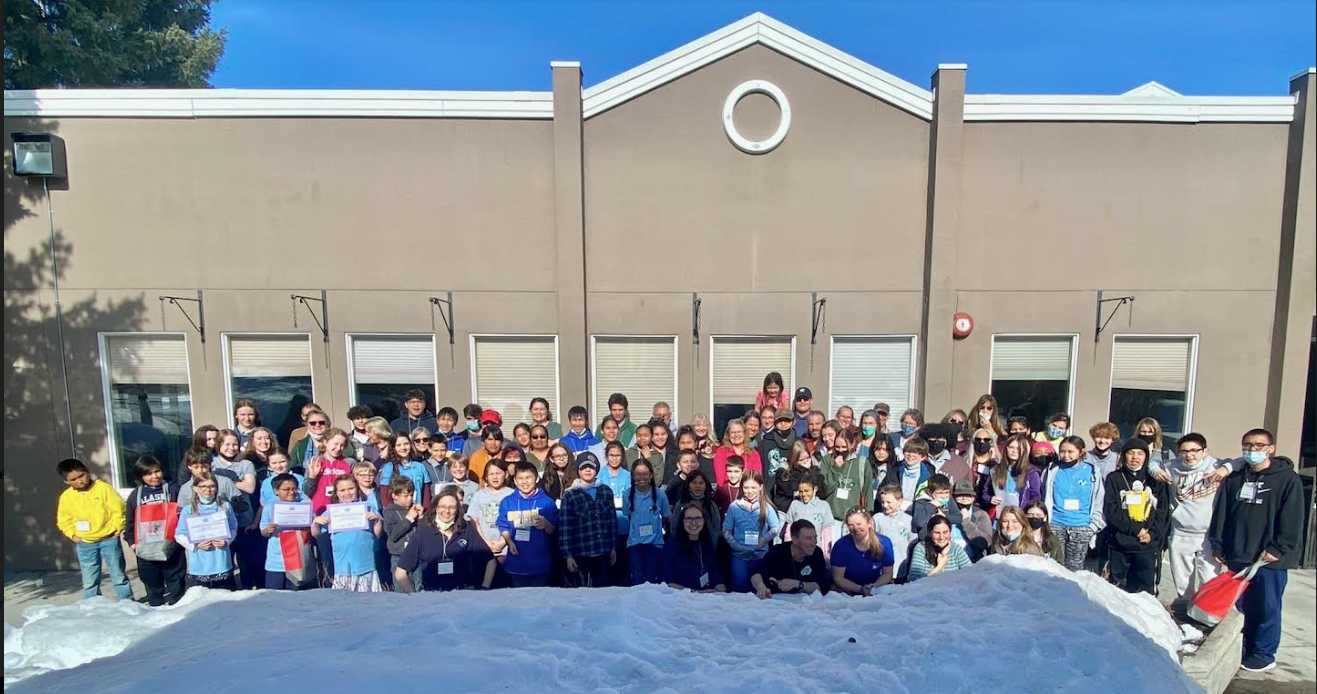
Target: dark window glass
[(279, 400), (1168, 407), (150, 419), (1036, 400), (386, 398)]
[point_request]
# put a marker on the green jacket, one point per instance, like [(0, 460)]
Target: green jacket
[(847, 486), (656, 460), (626, 431)]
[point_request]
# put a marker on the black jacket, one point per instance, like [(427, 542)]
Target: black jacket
[(1123, 531), (775, 449), (1273, 520), (780, 564), (784, 483)]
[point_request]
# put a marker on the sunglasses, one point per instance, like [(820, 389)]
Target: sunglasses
[(319, 423), (421, 439), (979, 440), (957, 422), (534, 437)]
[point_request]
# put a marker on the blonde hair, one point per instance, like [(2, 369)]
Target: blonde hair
[(799, 451), (1024, 544), (1156, 430), (330, 433), (727, 434), (875, 545), (251, 439), (379, 428)]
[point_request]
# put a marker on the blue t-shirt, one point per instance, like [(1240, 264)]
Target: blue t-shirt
[(1072, 495), (619, 483), (354, 550), (645, 513), (267, 491), (416, 471), (860, 567)]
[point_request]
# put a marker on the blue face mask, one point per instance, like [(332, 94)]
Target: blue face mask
[(942, 502), (1055, 432), (868, 430), (473, 424), (1255, 457), (908, 429)]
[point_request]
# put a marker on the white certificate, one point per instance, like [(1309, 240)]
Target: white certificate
[(291, 514), (347, 517), (210, 526)]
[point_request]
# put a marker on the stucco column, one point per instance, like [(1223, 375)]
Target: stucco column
[(569, 220), (945, 157), (1296, 279)]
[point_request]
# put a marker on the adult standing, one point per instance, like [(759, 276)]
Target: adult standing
[(1259, 516), (735, 443), (416, 415), (801, 406)]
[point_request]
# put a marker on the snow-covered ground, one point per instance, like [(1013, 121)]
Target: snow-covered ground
[(1006, 624)]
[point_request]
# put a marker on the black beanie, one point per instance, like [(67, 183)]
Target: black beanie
[(1135, 444)]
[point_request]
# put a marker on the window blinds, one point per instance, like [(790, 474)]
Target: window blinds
[(740, 364), (512, 370), (1151, 363), (401, 360), (1043, 358), (157, 359), (641, 368), (269, 355), (867, 370)]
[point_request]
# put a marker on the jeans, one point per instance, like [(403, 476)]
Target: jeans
[(415, 575), (90, 555), (1260, 604), (741, 571), (278, 580), (643, 561)]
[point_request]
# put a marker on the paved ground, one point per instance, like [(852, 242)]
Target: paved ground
[(1295, 674)]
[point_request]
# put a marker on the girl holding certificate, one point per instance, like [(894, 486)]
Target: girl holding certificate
[(206, 526), (352, 528)]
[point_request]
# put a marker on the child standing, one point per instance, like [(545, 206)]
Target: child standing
[(321, 472), (580, 438), (647, 512), (354, 550), (283, 487), (749, 530), (588, 532), (418, 472), (895, 525), (400, 519), (1193, 495), (438, 468), (278, 462), (152, 515), (808, 506), (461, 473), (91, 514), (729, 489), (209, 562), (527, 518)]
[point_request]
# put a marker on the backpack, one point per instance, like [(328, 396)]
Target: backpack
[(154, 524)]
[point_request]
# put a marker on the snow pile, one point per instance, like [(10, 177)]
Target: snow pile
[(1003, 624)]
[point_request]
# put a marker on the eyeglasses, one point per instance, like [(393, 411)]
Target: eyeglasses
[(957, 422), (1256, 446), (1188, 451), (692, 519), (421, 439)]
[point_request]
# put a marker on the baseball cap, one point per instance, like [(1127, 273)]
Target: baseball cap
[(803, 393), (883, 407), (963, 488), (784, 414), (586, 459), (491, 417)]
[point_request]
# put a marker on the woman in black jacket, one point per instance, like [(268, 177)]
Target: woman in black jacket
[(1138, 513)]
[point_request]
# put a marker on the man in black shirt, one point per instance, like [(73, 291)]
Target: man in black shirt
[(793, 567)]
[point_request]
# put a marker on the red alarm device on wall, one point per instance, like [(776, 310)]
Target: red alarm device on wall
[(962, 324)]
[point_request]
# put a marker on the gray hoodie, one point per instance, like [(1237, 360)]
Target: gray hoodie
[(1193, 495)]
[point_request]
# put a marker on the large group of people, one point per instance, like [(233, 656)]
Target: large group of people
[(785, 500)]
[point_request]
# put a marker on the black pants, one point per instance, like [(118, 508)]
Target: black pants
[(224, 581), (1134, 571), (163, 579), (592, 572), (325, 552), (249, 555)]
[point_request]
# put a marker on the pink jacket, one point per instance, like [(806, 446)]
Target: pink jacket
[(778, 403), (722, 453), (322, 488)]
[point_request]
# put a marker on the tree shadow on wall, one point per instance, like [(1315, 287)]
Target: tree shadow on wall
[(36, 434)]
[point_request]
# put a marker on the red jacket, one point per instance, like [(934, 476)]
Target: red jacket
[(722, 453)]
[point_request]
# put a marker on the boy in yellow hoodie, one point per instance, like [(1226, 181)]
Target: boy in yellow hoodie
[(91, 513)]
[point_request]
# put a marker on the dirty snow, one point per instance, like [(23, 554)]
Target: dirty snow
[(1006, 623)]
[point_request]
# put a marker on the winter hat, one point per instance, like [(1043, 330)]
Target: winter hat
[(586, 459), (1041, 447), (1135, 444), (963, 488)]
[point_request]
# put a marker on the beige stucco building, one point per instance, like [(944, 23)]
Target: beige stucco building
[(656, 234)]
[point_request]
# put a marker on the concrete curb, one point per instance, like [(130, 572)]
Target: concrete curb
[(1216, 662)]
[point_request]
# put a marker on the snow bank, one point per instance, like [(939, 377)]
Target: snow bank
[(1003, 624)]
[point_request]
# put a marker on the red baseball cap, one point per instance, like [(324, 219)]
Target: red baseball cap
[(491, 417)]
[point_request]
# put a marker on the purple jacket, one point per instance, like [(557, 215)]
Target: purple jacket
[(1033, 489)]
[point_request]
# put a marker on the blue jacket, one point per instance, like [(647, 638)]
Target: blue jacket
[(418, 472), (619, 483), (456, 439), (740, 521), (684, 563), (516, 512), (579, 443), (267, 490), (645, 514), (206, 562)]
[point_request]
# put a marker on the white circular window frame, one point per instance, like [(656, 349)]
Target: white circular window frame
[(729, 119)]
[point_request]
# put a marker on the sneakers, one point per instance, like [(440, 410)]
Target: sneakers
[(1255, 663)]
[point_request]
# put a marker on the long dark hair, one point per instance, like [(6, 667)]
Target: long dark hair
[(653, 489), (705, 539), (930, 550), (1045, 532), (549, 481), (707, 502)]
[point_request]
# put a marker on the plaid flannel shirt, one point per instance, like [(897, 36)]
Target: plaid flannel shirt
[(587, 527)]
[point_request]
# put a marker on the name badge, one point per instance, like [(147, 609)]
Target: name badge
[(704, 580), (1070, 504), (85, 526), (1249, 491), (1132, 498), (751, 538), (329, 491), (522, 535), (807, 571), (617, 502), (843, 493), (445, 568), (646, 530)]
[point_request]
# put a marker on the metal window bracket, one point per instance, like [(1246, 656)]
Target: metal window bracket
[(322, 320), (818, 316), (199, 324), (447, 317), (1101, 324), (696, 301)]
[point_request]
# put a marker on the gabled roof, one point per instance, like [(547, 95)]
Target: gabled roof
[(760, 29), (1153, 88)]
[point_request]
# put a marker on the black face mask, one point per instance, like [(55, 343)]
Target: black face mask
[(1036, 523), (936, 446), (1042, 461), (1148, 438), (982, 446)]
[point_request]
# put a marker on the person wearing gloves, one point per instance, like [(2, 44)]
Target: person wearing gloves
[(1074, 494), (1137, 507), (587, 530), (749, 529), (847, 479), (1193, 496), (1258, 517)]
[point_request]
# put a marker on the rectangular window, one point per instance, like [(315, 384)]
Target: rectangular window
[(507, 371), (1152, 377), (273, 371), (644, 369), (384, 367), (869, 370), (1031, 376), (148, 401), (738, 365)]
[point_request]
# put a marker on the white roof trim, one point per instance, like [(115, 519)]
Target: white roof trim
[(758, 28), (1161, 109), (219, 103), (1153, 88)]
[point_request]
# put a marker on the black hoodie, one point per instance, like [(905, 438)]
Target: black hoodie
[(775, 449), (1272, 520), (1123, 531)]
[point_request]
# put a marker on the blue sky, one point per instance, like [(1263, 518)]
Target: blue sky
[(1203, 47)]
